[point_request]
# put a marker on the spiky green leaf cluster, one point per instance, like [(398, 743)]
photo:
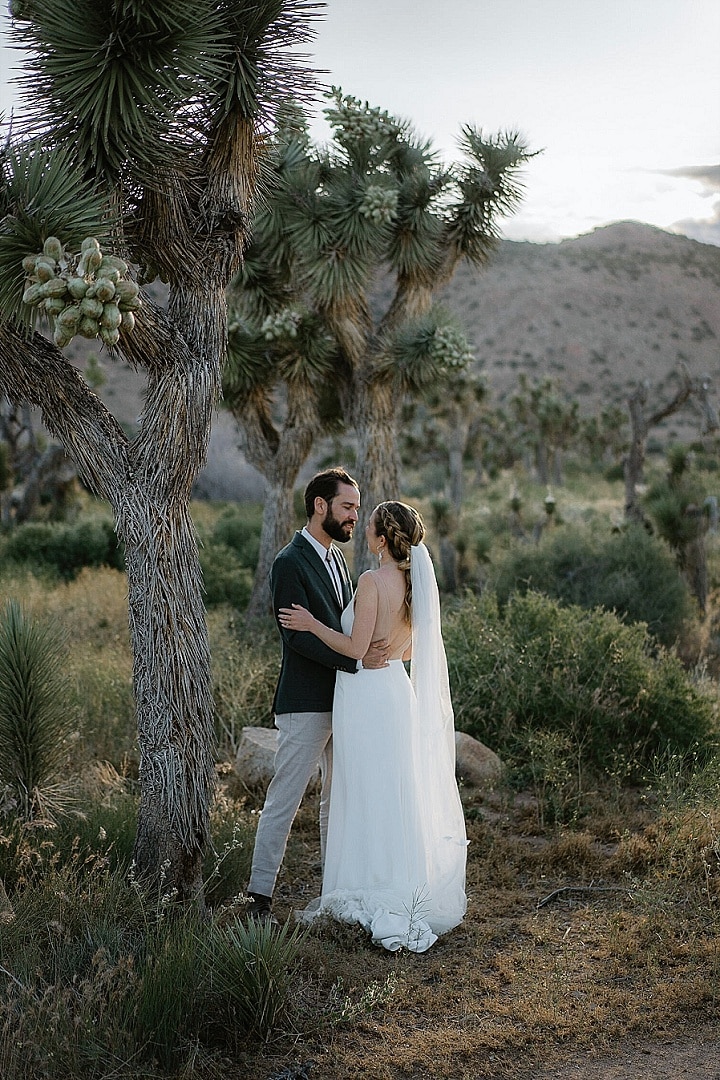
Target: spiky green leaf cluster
[(422, 352), (41, 195), (292, 344), (488, 188), (35, 718), (132, 86)]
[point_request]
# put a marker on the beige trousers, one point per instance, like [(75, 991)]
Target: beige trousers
[(304, 742)]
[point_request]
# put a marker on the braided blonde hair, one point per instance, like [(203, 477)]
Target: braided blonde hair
[(403, 528)]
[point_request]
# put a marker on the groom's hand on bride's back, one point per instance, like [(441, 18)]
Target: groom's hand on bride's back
[(377, 655)]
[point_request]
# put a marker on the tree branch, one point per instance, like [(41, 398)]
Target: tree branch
[(33, 370)]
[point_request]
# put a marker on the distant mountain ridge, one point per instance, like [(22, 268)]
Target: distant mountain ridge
[(598, 313)]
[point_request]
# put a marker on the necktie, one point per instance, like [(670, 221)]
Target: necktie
[(334, 572)]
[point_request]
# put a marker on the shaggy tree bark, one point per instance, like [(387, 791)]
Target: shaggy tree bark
[(375, 416), (148, 484), (278, 454)]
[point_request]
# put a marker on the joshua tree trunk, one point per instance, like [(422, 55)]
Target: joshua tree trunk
[(148, 484), (171, 676), (378, 458), (634, 462), (279, 456)]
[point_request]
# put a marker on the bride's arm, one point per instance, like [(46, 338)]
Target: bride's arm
[(356, 645)]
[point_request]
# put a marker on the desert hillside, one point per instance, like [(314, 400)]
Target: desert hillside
[(596, 314)]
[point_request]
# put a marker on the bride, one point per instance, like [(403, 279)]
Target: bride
[(396, 845)]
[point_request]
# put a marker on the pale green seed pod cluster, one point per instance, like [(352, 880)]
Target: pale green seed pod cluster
[(450, 349), (357, 121), (379, 204), (281, 325), (87, 294)]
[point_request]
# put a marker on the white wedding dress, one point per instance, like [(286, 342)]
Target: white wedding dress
[(396, 845)]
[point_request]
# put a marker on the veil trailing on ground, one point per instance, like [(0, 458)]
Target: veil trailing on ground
[(435, 744)]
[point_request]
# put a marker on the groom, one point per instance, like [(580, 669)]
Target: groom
[(310, 571)]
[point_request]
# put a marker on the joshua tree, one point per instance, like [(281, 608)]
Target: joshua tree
[(139, 149), (696, 390), (351, 249), (549, 423), (679, 510)]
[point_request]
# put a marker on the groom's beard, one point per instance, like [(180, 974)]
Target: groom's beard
[(338, 530)]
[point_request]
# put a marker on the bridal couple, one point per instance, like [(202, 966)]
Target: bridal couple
[(392, 833)]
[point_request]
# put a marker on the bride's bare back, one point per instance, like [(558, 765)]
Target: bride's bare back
[(390, 622)]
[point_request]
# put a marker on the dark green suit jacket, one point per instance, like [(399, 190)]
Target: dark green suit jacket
[(307, 673)]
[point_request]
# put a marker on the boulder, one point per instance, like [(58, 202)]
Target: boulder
[(255, 759), (474, 762)]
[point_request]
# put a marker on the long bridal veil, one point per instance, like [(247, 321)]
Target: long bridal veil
[(435, 746)]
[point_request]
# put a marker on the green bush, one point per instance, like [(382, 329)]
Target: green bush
[(252, 969), (628, 572), (64, 549), (226, 580), (537, 665), (238, 527)]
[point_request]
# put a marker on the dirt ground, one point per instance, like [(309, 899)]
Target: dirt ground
[(695, 1057)]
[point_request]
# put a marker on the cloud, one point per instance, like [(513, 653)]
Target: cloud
[(705, 229), (708, 175)]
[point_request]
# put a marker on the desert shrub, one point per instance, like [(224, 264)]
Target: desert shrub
[(103, 700), (95, 975), (628, 572), (64, 549), (245, 669), (252, 970), (238, 527), (538, 665), (226, 580)]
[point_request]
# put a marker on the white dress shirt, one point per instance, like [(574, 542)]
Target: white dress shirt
[(331, 564)]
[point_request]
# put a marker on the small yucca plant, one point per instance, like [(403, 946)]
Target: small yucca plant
[(252, 970), (35, 716)]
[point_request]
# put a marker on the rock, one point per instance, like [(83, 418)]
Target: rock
[(255, 759), (474, 762)]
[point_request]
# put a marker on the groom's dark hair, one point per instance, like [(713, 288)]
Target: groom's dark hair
[(324, 485)]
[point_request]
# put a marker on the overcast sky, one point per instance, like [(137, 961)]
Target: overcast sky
[(621, 96)]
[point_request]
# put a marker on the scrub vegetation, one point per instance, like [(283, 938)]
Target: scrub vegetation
[(594, 864)]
